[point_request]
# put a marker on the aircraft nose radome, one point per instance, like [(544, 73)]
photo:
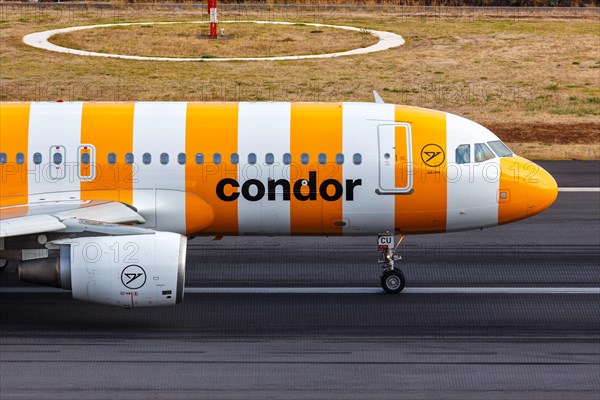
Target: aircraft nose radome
[(525, 189), (542, 190)]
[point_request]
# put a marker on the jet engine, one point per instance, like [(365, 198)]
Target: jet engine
[(129, 271)]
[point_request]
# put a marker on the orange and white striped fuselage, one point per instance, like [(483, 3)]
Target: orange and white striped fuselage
[(269, 168)]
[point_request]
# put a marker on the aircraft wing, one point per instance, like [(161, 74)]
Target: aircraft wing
[(68, 216)]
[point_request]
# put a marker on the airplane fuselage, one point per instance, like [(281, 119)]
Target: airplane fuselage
[(269, 168)]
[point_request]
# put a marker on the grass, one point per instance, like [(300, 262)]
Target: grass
[(553, 151), (242, 40), (530, 77)]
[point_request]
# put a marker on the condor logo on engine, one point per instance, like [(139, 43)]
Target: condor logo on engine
[(133, 277), (303, 190)]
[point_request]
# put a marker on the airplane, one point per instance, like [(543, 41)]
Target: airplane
[(101, 198)]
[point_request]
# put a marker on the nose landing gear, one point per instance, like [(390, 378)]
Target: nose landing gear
[(392, 279)]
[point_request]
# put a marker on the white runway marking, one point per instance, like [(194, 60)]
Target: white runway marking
[(387, 40), (579, 189), (353, 290)]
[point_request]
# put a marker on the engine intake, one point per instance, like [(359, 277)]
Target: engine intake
[(128, 271)]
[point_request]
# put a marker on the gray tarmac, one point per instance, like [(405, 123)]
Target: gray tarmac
[(351, 344)]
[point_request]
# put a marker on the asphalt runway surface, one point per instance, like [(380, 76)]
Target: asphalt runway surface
[(304, 318)]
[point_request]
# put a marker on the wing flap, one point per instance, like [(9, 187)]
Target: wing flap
[(63, 215), (29, 224)]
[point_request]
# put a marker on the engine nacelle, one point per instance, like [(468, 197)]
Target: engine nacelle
[(128, 271)]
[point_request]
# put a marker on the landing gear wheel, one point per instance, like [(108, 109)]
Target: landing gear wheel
[(393, 281), (3, 263)]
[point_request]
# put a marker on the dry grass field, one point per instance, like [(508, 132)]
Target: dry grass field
[(190, 40), (534, 81)]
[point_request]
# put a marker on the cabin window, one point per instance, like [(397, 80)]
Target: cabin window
[(304, 158), (2, 158), (147, 158), (322, 158), (217, 158), (57, 158), (129, 158), (269, 158), (181, 158), (500, 148), (339, 159), (482, 152), (37, 158), (85, 158), (251, 158), (287, 158), (357, 158), (164, 158), (20, 158), (235, 158), (463, 154), (199, 158)]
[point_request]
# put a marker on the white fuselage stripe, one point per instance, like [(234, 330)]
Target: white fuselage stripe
[(368, 212), (472, 187), (263, 128), (160, 128), (52, 124)]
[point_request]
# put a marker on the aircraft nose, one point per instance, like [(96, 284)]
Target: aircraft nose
[(542, 190), (525, 189)]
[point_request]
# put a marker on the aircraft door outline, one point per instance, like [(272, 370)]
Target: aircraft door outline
[(394, 156)]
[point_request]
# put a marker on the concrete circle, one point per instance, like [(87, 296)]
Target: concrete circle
[(387, 40)]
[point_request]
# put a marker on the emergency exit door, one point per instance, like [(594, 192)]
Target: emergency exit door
[(395, 158)]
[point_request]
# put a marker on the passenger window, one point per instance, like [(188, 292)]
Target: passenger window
[(181, 158), (357, 159), (217, 158), (322, 158), (85, 158), (2, 158), (235, 158), (251, 158), (482, 152), (287, 158), (147, 158), (500, 148), (112, 158), (164, 158), (304, 158), (57, 158), (37, 158), (199, 158), (269, 158), (339, 159), (20, 158), (129, 158), (463, 154)]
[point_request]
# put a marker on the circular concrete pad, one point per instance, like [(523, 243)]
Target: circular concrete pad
[(387, 40)]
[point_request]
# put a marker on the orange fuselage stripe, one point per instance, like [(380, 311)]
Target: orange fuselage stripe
[(14, 131), (212, 128), (514, 172), (315, 129), (424, 211), (109, 128)]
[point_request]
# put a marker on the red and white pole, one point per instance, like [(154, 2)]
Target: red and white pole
[(212, 11)]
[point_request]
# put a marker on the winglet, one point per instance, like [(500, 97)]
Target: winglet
[(378, 98)]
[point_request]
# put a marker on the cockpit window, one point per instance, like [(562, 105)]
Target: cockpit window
[(500, 148), (463, 154), (482, 152)]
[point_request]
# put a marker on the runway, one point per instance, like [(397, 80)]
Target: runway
[(511, 312)]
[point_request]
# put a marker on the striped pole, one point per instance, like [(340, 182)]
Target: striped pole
[(212, 11)]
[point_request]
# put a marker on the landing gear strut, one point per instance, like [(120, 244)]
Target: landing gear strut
[(392, 279)]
